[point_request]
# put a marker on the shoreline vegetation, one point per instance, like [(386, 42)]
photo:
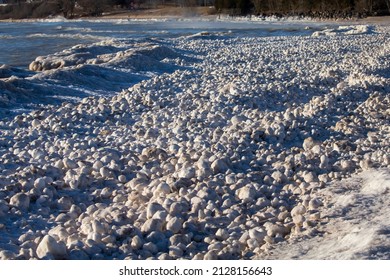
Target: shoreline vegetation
[(120, 9)]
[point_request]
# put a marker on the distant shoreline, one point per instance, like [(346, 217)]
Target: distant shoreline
[(146, 15), (206, 13), (380, 20)]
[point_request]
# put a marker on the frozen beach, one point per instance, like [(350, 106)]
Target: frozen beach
[(183, 139)]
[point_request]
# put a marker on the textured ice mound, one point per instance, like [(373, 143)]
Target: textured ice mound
[(108, 53), (344, 30)]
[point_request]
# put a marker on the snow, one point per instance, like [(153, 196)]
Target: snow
[(358, 222), (376, 183)]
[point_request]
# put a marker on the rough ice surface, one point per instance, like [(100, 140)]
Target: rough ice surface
[(357, 227), (205, 145)]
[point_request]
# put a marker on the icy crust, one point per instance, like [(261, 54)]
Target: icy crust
[(228, 157)]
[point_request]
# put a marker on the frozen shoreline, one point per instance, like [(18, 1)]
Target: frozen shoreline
[(234, 153)]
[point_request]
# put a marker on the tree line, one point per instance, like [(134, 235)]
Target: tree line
[(69, 8), (313, 8)]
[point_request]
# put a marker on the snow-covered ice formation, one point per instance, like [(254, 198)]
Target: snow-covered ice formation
[(345, 30), (245, 148)]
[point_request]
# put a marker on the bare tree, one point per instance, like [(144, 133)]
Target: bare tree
[(370, 5), (259, 6), (388, 5), (67, 7), (321, 8), (93, 7)]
